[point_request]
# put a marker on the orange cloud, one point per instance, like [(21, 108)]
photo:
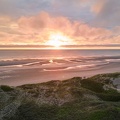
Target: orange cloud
[(43, 24), (38, 29)]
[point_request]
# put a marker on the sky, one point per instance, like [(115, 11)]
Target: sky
[(63, 22)]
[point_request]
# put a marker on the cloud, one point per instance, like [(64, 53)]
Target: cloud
[(107, 13), (83, 21), (38, 29), (76, 9), (103, 13), (17, 8)]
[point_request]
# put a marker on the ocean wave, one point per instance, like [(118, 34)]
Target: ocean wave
[(4, 77), (30, 62), (16, 62), (113, 60), (81, 67), (83, 61)]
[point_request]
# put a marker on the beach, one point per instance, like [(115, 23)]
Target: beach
[(16, 70)]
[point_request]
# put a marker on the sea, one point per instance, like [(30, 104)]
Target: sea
[(19, 67)]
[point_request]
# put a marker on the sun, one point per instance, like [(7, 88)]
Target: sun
[(57, 40)]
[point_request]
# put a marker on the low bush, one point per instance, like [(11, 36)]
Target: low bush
[(92, 85), (6, 88)]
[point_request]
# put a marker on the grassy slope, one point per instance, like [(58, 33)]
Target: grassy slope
[(73, 99)]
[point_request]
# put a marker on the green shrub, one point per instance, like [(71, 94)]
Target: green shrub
[(114, 75), (32, 111), (109, 97), (92, 85), (6, 88), (108, 114)]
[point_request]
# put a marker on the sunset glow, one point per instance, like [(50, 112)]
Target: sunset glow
[(51, 23), (58, 39), (60, 59)]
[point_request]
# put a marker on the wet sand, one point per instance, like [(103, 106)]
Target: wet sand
[(15, 77)]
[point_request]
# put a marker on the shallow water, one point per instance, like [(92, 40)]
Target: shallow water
[(29, 66)]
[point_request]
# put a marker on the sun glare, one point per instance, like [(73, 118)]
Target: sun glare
[(57, 39)]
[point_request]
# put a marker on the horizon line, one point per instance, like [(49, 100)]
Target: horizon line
[(44, 47)]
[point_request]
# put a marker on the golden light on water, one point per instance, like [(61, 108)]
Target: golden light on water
[(51, 61)]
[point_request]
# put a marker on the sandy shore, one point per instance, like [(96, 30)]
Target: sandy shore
[(17, 77)]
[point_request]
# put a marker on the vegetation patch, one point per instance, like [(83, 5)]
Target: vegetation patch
[(92, 85), (6, 88), (108, 114), (63, 100), (109, 97)]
